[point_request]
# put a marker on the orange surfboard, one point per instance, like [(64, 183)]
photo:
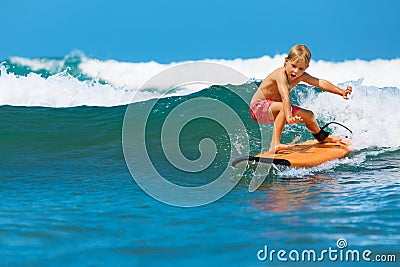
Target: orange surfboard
[(307, 154)]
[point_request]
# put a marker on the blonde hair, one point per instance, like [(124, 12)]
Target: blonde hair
[(300, 52)]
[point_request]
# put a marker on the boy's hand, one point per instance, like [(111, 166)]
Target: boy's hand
[(294, 119), (347, 92)]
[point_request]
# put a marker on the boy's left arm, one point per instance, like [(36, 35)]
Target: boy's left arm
[(326, 86)]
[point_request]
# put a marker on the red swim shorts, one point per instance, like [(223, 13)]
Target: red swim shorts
[(259, 111)]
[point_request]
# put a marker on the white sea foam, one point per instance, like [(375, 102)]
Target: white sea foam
[(377, 72), (117, 73), (59, 90), (371, 113), (35, 64)]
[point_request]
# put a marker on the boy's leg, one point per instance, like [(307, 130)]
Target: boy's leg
[(311, 124), (309, 119), (276, 112)]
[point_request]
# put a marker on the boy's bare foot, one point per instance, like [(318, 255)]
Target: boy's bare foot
[(277, 148), (331, 139)]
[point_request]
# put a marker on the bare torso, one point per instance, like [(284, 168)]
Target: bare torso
[(268, 89)]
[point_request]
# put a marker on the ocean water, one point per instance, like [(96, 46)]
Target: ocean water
[(68, 197)]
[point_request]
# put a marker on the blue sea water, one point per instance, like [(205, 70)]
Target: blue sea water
[(68, 197)]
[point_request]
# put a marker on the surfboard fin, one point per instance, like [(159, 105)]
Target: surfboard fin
[(260, 160)]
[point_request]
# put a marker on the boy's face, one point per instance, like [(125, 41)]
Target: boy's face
[(294, 68)]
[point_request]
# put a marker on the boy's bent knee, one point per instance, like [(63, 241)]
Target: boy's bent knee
[(308, 115)]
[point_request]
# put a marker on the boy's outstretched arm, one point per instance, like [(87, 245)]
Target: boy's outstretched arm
[(327, 86)]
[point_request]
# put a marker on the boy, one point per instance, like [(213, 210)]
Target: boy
[(271, 102)]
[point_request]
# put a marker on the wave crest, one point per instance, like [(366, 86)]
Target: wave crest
[(77, 80)]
